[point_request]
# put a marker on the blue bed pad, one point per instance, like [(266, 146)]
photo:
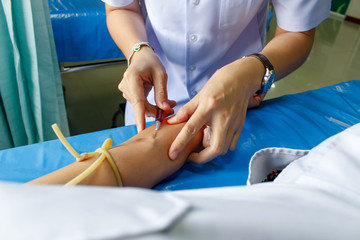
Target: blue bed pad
[(299, 121), (80, 31)]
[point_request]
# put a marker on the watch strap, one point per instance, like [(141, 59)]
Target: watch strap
[(265, 61), (269, 73)]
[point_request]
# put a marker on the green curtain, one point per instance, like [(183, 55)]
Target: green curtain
[(30, 85), (340, 6)]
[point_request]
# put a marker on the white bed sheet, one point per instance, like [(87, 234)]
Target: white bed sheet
[(317, 196), (57, 212)]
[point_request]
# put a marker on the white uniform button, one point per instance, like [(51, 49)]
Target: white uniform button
[(193, 38), (196, 2), (192, 67)]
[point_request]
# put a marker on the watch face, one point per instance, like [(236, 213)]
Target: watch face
[(269, 73), (268, 80)]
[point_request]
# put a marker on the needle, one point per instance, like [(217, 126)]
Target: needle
[(158, 119)]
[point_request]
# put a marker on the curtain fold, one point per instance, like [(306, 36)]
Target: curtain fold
[(30, 84)]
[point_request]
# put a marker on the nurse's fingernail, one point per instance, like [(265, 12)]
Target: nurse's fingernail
[(172, 120), (173, 155), (165, 104)]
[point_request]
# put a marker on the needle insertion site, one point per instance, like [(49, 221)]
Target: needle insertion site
[(158, 119)]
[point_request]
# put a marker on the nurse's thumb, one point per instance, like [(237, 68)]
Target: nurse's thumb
[(160, 90)]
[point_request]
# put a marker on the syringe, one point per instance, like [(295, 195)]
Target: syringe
[(158, 119)]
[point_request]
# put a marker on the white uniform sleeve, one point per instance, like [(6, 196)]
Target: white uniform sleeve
[(301, 15), (118, 3)]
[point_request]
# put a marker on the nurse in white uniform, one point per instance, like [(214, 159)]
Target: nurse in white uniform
[(191, 52)]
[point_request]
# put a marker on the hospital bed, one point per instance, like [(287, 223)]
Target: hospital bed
[(210, 203), (299, 121)]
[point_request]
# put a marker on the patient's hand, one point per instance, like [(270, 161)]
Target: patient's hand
[(143, 160)]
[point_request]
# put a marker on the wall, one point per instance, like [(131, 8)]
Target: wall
[(354, 9)]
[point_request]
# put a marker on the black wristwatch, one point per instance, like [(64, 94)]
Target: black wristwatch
[(269, 76)]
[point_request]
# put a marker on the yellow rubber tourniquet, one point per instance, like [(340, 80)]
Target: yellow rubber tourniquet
[(104, 154)]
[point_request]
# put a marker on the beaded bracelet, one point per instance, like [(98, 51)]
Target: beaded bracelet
[(137, 48)]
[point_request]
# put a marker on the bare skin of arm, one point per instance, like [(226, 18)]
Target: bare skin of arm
[(142, 161), (288, 50), (146, 70), (223, 101)]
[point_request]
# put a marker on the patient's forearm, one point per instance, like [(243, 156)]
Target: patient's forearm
[(142, 161)]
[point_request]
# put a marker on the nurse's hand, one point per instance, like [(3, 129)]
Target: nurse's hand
[(222, 105), (255, 100), (146, 71)]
